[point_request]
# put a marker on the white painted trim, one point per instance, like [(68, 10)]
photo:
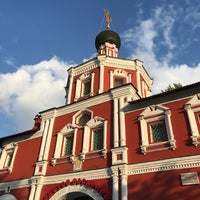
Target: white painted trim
[(186, 162), (155, 113), (115, 183), (116, 124), (191, 107), (76, 188), (6, 151), (122, 122)]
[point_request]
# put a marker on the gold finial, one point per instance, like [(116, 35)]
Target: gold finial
[(108, 18)]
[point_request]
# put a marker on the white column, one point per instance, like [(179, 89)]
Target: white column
[(144, 136), (116, 123), (192, 121), (115, 181), (92, 84), (74, 141), (111, 79), (193, 124), (45, 132), (101, 79), (122, 123), (86, 138), (32, 193), (129, 78), (105, 134), (48, 140), (168, 123), (124, 184), (38, 191), (58, 145)]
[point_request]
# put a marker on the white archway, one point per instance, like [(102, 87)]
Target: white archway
[(61, 194)]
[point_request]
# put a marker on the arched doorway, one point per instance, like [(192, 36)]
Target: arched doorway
[(77, 192), (78, 196)]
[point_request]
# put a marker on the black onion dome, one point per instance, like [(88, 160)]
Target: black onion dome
[(107, 36)]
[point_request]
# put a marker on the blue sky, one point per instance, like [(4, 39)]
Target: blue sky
[(40, 39)]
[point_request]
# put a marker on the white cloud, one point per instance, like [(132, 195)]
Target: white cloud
[(150, 37), (32, 88)]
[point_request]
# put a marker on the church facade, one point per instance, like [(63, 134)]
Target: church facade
[(112, 140)]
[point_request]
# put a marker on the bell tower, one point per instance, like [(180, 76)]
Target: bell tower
[(106, 71)]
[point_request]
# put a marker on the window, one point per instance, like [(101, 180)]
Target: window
[(119, 77), (192, 108), (86, 87), (97, 139), (156, 129), (119, 81), (84, 118), (7, 157), (68, 144), (158, 132), (65, 145)]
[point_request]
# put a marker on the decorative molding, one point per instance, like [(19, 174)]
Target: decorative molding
[(133, 169), (76, 188), (164, 165), (85, 67)]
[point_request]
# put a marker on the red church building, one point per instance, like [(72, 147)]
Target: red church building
[(112, 140)]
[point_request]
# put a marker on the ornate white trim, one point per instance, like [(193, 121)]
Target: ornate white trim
[(76, 188), (192, 107), (85, 67), (151, 114), (164, 165)]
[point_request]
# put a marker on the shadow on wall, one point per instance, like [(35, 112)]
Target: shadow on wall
[(162, 185)]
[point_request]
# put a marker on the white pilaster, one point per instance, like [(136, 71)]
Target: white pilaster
[(44, 138), (192, 121), (124, 183), (116, 123), (115, 182), (122, 123), (101, 79), (111, 79)]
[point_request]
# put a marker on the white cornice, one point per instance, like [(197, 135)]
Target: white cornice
[(127, 64), (85, 67), (88, 175), (186, 162), (164, 165), (96, 100)]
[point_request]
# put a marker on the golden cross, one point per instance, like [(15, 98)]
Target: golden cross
[(108, 18)]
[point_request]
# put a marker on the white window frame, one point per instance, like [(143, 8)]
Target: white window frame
[(192, 107), (87, 138), (80, 82), (152, 114), (121, 74), (58, 153), (7, 150)]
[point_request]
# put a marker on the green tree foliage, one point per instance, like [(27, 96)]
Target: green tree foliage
[(172, 87)]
